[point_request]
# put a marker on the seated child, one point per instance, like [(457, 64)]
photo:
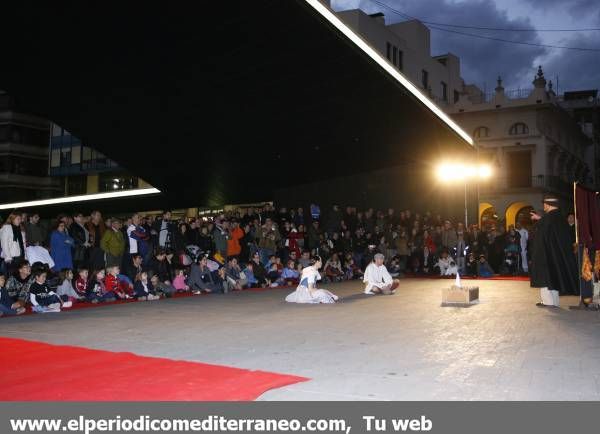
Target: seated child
[(483, 268), (42, 299), (143, 289), (249, 273), (94, 288), (179, 281), (7, 306), (274, 269), (353, 271), (66, 286), (161, 288), (289, 275), (471, 265), (112, 286)]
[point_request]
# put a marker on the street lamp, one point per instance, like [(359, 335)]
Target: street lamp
[(460, 172)]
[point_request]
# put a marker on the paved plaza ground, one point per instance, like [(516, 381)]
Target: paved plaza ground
[(401, 347)]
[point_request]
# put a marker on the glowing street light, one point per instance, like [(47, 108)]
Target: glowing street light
[(462, 172), (459, 172)]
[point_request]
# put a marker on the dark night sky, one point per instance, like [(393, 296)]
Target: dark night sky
[(483, 60)]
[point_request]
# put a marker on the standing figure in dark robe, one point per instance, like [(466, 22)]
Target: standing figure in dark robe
[(553, 265)]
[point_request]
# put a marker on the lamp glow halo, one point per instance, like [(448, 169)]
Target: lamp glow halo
[(363, 45), (80, 198)]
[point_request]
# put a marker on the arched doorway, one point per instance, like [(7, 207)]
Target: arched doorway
[(520, 209), (489, 217), (483, 206)]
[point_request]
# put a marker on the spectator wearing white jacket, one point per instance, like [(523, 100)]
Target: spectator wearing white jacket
[(377, 279), (12, 241)]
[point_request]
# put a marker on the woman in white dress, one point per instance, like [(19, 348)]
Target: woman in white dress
[(307, 292)]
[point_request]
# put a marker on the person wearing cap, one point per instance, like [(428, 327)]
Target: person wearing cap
[(553, 266), (377, 279)]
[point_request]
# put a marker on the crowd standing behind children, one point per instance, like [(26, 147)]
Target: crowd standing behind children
[(99, 260)]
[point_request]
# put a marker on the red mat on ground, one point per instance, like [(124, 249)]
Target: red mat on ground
[(36, 371)]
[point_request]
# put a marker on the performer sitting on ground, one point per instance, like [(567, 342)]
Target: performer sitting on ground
[(307, 292), (553, 266), (378, 279)]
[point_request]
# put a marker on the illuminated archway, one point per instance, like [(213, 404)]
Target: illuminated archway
[(482, 207), (513, 210)]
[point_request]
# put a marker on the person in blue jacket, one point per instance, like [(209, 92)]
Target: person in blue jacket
[(61, 245)]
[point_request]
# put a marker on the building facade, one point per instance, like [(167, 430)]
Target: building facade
[(534, 140), (82, 169), (407, 46), (533, 145), (24, 155)]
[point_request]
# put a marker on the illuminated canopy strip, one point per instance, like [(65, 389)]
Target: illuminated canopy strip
[(363, 45), (80, 198)]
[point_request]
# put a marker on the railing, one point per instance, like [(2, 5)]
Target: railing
[(540, 182), (484, 97)]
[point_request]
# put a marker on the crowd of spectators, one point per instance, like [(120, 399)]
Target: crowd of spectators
[(95, 259)]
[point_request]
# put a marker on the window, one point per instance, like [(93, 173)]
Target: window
[(519, 169), (55, 158), (65, 157), (444, 91), (481, 132), (456, 96), (388, 50), (395, 55), (113, 181), (400, 59), (76, 155), (518, 128), (425, 79)]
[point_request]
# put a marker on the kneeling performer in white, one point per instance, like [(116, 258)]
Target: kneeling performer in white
[(378, 279), (306, 292)]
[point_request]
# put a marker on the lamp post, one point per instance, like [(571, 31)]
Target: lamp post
[(456, 172)]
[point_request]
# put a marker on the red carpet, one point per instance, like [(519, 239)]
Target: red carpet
[(35, 371)]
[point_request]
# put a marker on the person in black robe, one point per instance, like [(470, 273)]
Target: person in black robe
[(553, 263)]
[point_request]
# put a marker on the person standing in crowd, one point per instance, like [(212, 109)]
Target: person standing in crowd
[(236, 234), (572, 226), (81, 239), (12, 241), (524, 238), (268, 239), (96, 229), (61, 245), (553, 266), (449, 237), (377, 279), (163, 230), (113, 244), (34, 233), (138, 239), (221, 236)]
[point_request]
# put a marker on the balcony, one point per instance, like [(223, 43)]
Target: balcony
[(551, 183)]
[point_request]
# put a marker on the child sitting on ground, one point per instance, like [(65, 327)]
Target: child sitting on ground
[(289, 275), (7, 307), (66, 286), (112, 285), (161, 288), (42, 299), (274, 269), (179, 281), (143, 289), (249, 273)]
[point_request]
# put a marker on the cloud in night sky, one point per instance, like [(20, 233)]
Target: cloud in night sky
[(483, 60)]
